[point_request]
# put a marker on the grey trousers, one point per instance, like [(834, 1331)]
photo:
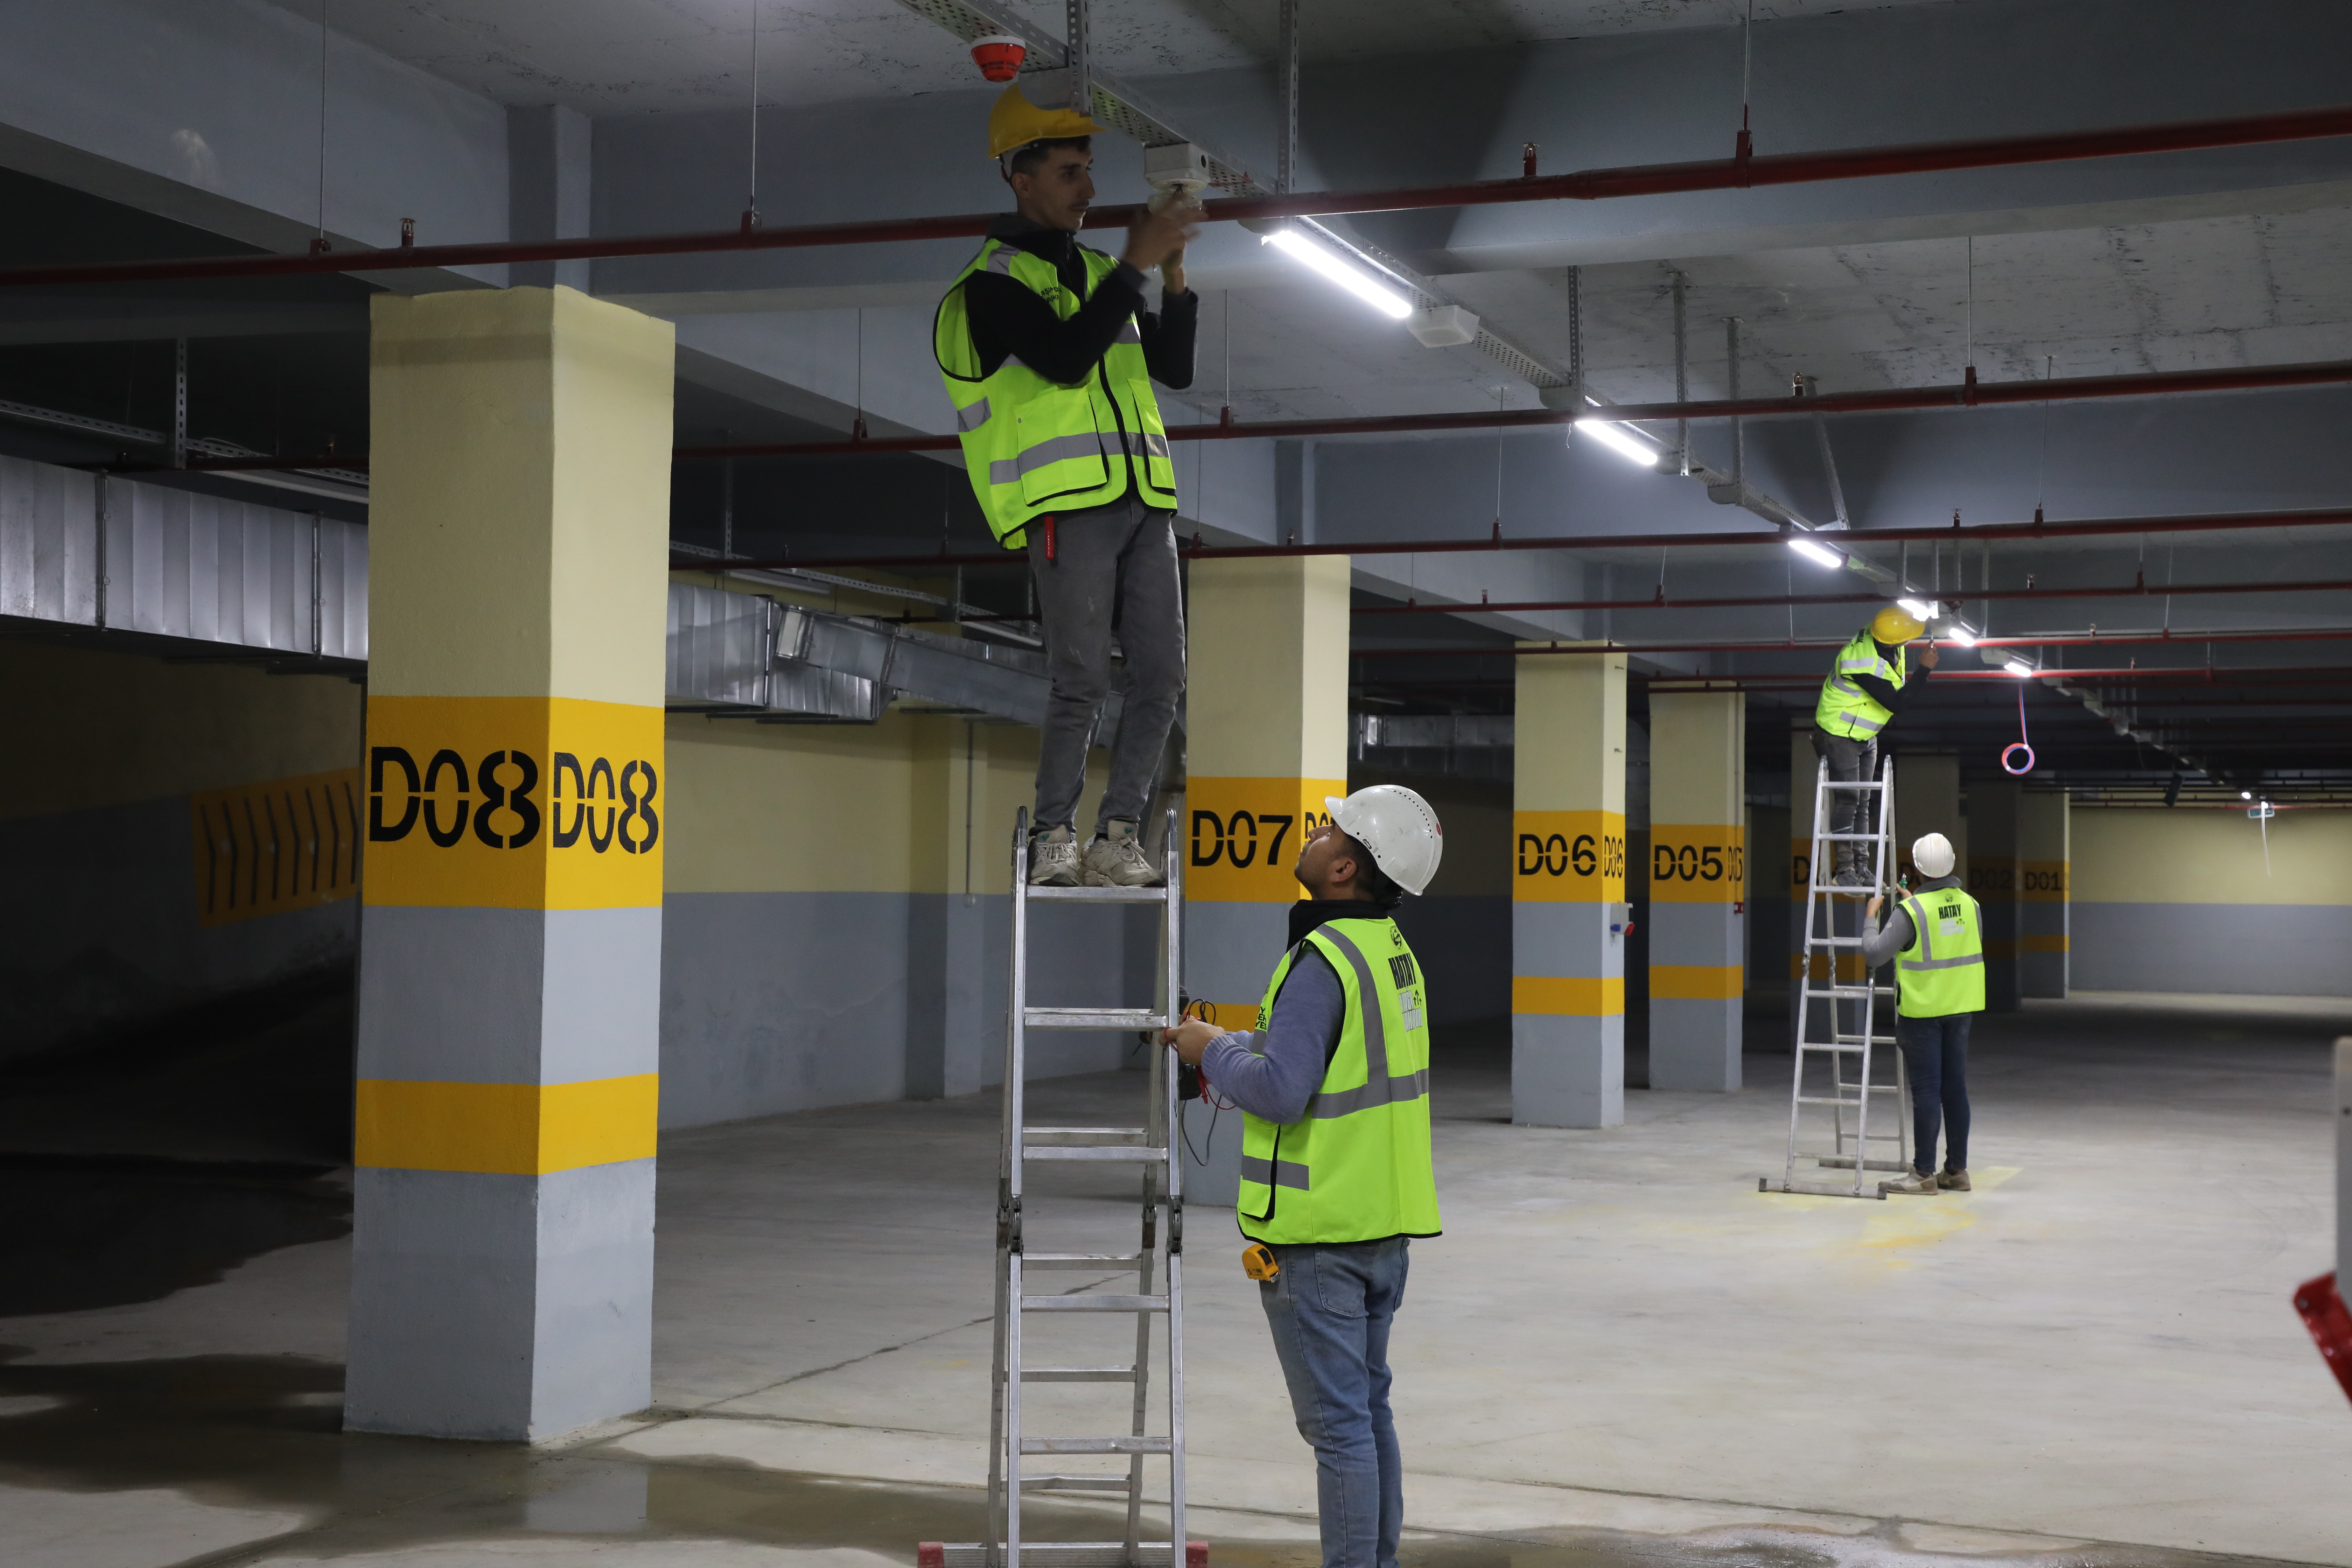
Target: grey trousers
[(1850, 761), (1113, 568)]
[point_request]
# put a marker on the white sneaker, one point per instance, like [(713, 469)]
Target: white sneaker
[(1054, 858), (1118, 861)]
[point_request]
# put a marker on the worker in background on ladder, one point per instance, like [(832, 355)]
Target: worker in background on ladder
[(1935, 937), (1335, 1172), (1049, 356), (1861, 695)]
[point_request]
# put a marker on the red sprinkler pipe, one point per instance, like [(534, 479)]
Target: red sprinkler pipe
[(1892, 400), (2216, 522), (1824, 645), (1591, 184), (1659, 602)]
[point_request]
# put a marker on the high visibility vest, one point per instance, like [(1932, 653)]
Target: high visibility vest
[(1356, 1167), (1846, 709), (1942, 972), (1033, 446)]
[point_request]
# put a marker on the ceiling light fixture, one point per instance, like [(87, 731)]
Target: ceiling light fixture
[(1816, 553), (1388, 301), (1620, 440), (1960, 635), (2018, 667), (1916, 609)]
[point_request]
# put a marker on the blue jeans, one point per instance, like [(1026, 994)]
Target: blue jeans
[(1935, 1056), (1330, 1309)]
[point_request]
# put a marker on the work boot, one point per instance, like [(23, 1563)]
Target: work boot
[(1953, 1181), (1054, 858), (1848, 874), (1914, 1182), (1116, 859)]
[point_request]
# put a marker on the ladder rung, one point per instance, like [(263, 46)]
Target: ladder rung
[(1158, 894), (1845, 1162), (1078, 1375), (1818, 1099), (1825, 1189), (1111, 1152), (1094, 1446), (1068, 1554), (1093, 1018), (1849, 839), (1082, 1137), (1093, 1303), (1819, 1045), (1069, 1484), (1848, 993), (1087, 1260)]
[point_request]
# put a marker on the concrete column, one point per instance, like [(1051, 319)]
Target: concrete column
[(1698, 886), (1928, 800), (510, 955), (952, 1034), (1993, 882), (1266, 742), (547, 188), (1568, 893), (2045, 879)]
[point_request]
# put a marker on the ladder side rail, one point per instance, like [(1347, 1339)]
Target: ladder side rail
[(1016, 1113), (1169, 1110), (1007, 1301), (1146, 1260), (1805, 975), (1882, 881)]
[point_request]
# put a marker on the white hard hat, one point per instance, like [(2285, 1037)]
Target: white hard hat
[(1932, 853), (1397, 826)]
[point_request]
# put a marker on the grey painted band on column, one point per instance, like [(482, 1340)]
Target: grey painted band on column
[(1569, 941), (1568, 1071), (1694, 933), (475, 995), (499, 1308), (1230, 949), (1695, 1044)]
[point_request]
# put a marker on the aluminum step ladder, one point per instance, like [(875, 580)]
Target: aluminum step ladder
[(1838, 1010), (1156, 1264)]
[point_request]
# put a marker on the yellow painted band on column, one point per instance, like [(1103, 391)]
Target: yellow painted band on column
[(1697, 982), (1698, 864), (513, 803), (506, 1129), (1801, 867), (1567, 856), (2057, 943), (1559, 996), (2041, 882), (1242, 836)]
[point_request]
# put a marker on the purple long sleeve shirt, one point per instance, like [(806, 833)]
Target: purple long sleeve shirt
[(1274, 1073)]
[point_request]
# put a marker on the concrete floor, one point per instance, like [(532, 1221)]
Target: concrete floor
[(1619, 1353)]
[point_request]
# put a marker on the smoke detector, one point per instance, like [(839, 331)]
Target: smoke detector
[(999, 55)]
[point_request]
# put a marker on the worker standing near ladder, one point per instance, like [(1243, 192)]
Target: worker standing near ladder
[(1860, 697), (1336, 1169), (1049, 356), (1935, 937)]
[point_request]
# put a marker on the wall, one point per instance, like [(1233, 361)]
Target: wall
[(102, 928), (813, 872), (2181, 901)]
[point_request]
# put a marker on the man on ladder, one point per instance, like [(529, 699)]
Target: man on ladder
[(1049, 357), (1935, 936), (1336, 1169), (1860, 697)]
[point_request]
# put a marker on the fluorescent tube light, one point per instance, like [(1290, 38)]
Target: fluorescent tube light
[(2018, 667), (1815, 553), (1957, 634), (1619, 439), (1388, 301), (2245, 795), (1918, 610)]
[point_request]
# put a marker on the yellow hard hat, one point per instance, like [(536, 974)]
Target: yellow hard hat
[(1015, 122), (1896, 625)]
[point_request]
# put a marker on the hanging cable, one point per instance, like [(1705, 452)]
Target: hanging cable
[(751, 202), (2020, 744), (319, 241)]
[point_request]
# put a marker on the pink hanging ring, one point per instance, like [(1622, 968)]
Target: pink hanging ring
[(2018, 744)]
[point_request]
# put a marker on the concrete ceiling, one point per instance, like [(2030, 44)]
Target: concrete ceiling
[(622, 57)]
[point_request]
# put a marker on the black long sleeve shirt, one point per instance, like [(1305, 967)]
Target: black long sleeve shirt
[(1885, 693), (1009, 318)]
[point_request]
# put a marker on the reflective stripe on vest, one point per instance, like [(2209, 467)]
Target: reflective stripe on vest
[(1846, 709), (1942, 972), (1356, 1166), (1033, 446)]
